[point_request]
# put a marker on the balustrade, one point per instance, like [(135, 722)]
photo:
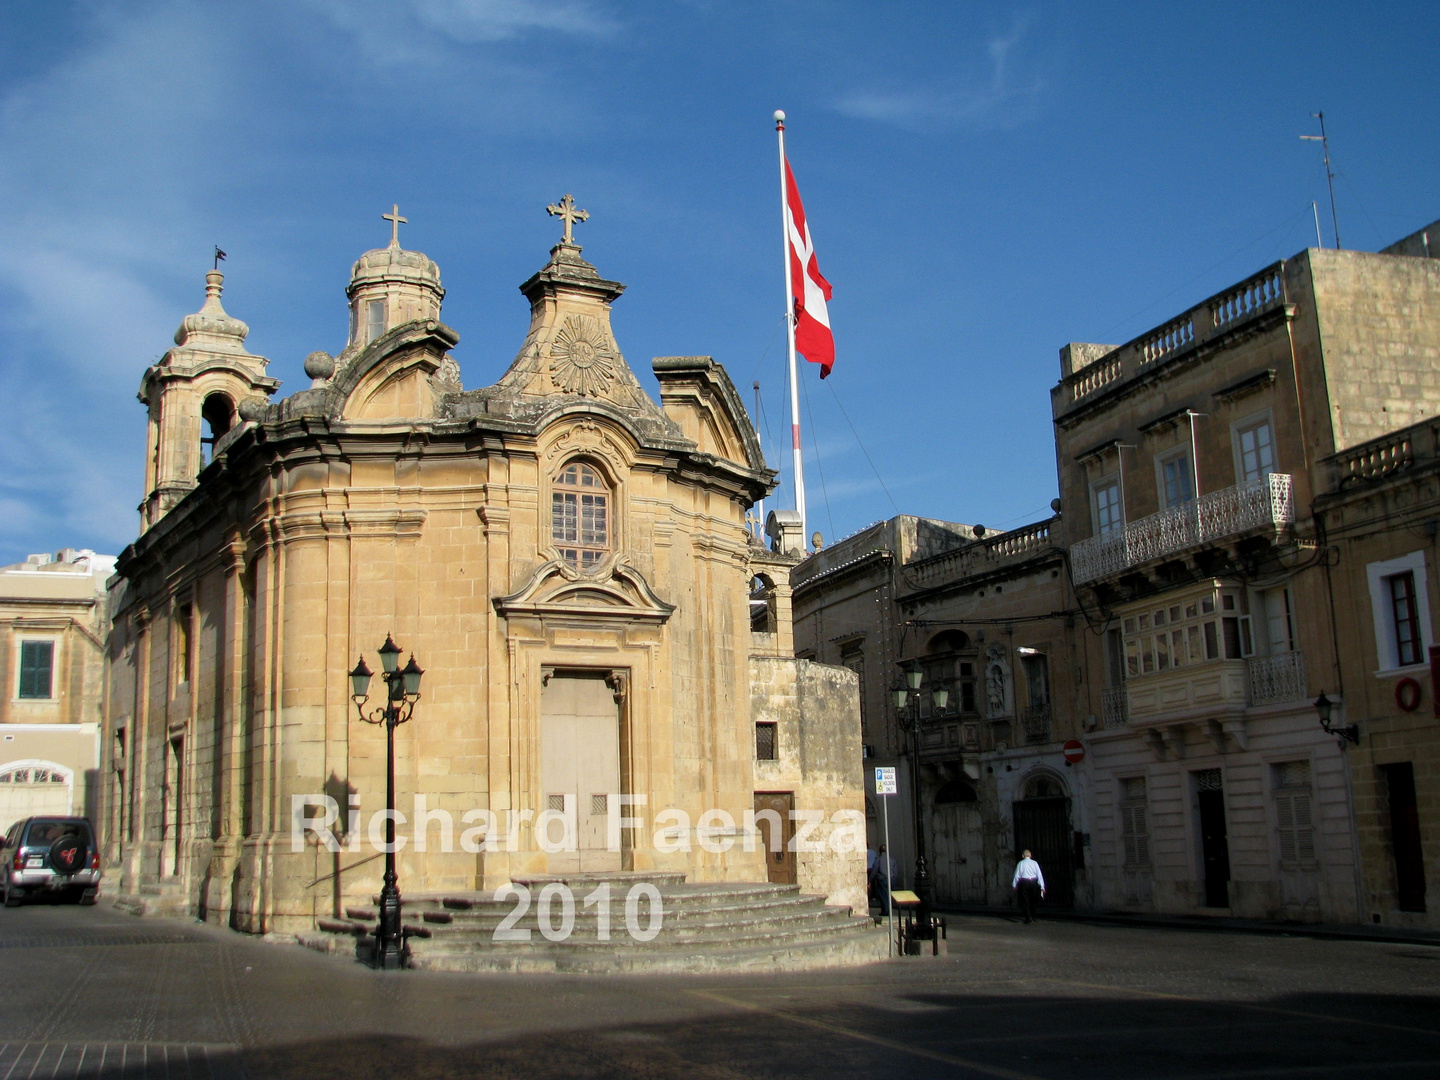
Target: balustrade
[(1168, 339), (1249, 297), (973, 558), (1255, 504), (1246, 300)]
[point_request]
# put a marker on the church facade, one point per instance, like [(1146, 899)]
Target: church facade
[(568, 561)]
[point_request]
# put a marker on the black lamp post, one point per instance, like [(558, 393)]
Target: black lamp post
[(909, 694), (1348, 733), (402, 690)]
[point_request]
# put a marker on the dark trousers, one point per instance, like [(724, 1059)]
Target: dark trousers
[(1029, 897)]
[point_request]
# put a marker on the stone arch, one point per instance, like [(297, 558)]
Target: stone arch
[(1043, 783), (217, 417), (763, 619), (947, 641)]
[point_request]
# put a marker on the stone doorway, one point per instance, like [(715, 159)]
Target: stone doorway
[(1042, 824), (580, 758)]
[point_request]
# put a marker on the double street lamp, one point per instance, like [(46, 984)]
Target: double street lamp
[(909, 694), (402, 690)]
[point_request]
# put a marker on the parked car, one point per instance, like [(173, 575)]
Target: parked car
[(50, 855)]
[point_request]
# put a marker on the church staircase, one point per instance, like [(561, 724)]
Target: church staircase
[(705, 927)]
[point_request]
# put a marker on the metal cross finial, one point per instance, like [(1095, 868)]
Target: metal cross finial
[(567, 210), (395, 222)]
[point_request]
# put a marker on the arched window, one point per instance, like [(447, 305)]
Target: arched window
[(580, 515), (218, 414)]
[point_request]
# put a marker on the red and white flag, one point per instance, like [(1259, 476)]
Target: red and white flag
[(812, 319)]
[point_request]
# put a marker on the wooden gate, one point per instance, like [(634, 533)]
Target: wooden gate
[(957, 839)]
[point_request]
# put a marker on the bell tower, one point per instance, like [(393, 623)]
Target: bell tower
[(192, 394)]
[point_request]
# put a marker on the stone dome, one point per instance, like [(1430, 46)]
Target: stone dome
[(211, 327), (394, 265)]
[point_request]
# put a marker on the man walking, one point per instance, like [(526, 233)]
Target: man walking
[(1029, 884)]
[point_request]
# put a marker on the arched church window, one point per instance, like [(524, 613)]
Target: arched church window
[(580, 515), (218, 416)]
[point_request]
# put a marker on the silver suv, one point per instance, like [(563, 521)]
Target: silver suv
[(55, 855)]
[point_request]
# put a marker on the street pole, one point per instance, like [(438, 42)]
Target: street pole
[(889, 886), (389, 944), (922, 873), (402, 691)]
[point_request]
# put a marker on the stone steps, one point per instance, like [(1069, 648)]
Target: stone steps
[(703, 927)]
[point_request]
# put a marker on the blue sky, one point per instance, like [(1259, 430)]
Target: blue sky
[(984, 183)]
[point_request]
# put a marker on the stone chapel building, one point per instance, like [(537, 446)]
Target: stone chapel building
[(568, 560)]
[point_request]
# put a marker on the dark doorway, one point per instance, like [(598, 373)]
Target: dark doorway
[(1043, 826), (772, 818), (1405, 836), (1214, 844)]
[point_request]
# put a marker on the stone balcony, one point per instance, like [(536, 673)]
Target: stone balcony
[(1221, 515)]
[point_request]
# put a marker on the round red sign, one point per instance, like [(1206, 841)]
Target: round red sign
[(1074, 751)]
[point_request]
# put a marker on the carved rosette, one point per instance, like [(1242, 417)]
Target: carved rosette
[(582, 359)]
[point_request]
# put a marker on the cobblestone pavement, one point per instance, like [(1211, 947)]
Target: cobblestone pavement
[(92, 992)]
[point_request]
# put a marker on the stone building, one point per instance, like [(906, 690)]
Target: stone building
[(986, 617), (1191, 460), (53, 665), (568, 561), (1379, 517)]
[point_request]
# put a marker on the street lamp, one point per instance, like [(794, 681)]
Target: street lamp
[(1348, 733), (402, 690), (909, 694)]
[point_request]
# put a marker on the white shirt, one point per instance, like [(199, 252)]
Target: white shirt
[(1028, 870)]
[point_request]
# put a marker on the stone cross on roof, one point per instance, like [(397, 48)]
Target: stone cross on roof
[(567, 211), (395, 222)]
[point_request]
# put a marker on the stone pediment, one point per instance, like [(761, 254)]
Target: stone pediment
[(615, 592), (570, 356)]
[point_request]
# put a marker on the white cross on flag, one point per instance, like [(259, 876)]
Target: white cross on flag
[(812, 320)]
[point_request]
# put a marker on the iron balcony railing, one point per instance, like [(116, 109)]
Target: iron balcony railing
[(1255, 504), (1035, 719), (1115, 706), (1277, 678)]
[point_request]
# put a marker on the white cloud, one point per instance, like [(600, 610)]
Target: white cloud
[(993, 96)]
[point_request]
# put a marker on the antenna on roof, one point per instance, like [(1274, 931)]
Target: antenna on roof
[(1324, 142)]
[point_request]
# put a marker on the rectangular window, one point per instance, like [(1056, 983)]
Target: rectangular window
[(1407, 621), (1257, 451), (374, 319), (1294, 815), (967, 688), (1108, 515), (1037, 680), (182, 644), (1279, 622), (1114, 658), (1134, 826), (37, 665), (765, 742), (1175, 479)]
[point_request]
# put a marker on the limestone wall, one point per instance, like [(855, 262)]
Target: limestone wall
[(1379, 326), (816, 710)]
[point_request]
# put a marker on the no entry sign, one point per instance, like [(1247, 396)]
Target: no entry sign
[(1074, 751)]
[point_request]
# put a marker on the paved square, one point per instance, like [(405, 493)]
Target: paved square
[(95, 993)]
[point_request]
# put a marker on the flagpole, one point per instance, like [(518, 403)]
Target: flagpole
[(790, 338)]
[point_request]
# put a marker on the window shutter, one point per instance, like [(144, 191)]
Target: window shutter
[(1285, 815)]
